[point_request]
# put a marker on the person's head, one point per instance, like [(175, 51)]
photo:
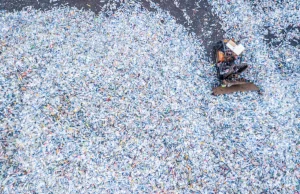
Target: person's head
[(230, 58)]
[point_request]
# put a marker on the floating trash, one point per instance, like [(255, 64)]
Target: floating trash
[(97, 104)]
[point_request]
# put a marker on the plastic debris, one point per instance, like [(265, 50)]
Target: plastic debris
[(96, 104)]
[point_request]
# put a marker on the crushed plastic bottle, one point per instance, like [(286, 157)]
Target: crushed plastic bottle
[(123, 103)]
